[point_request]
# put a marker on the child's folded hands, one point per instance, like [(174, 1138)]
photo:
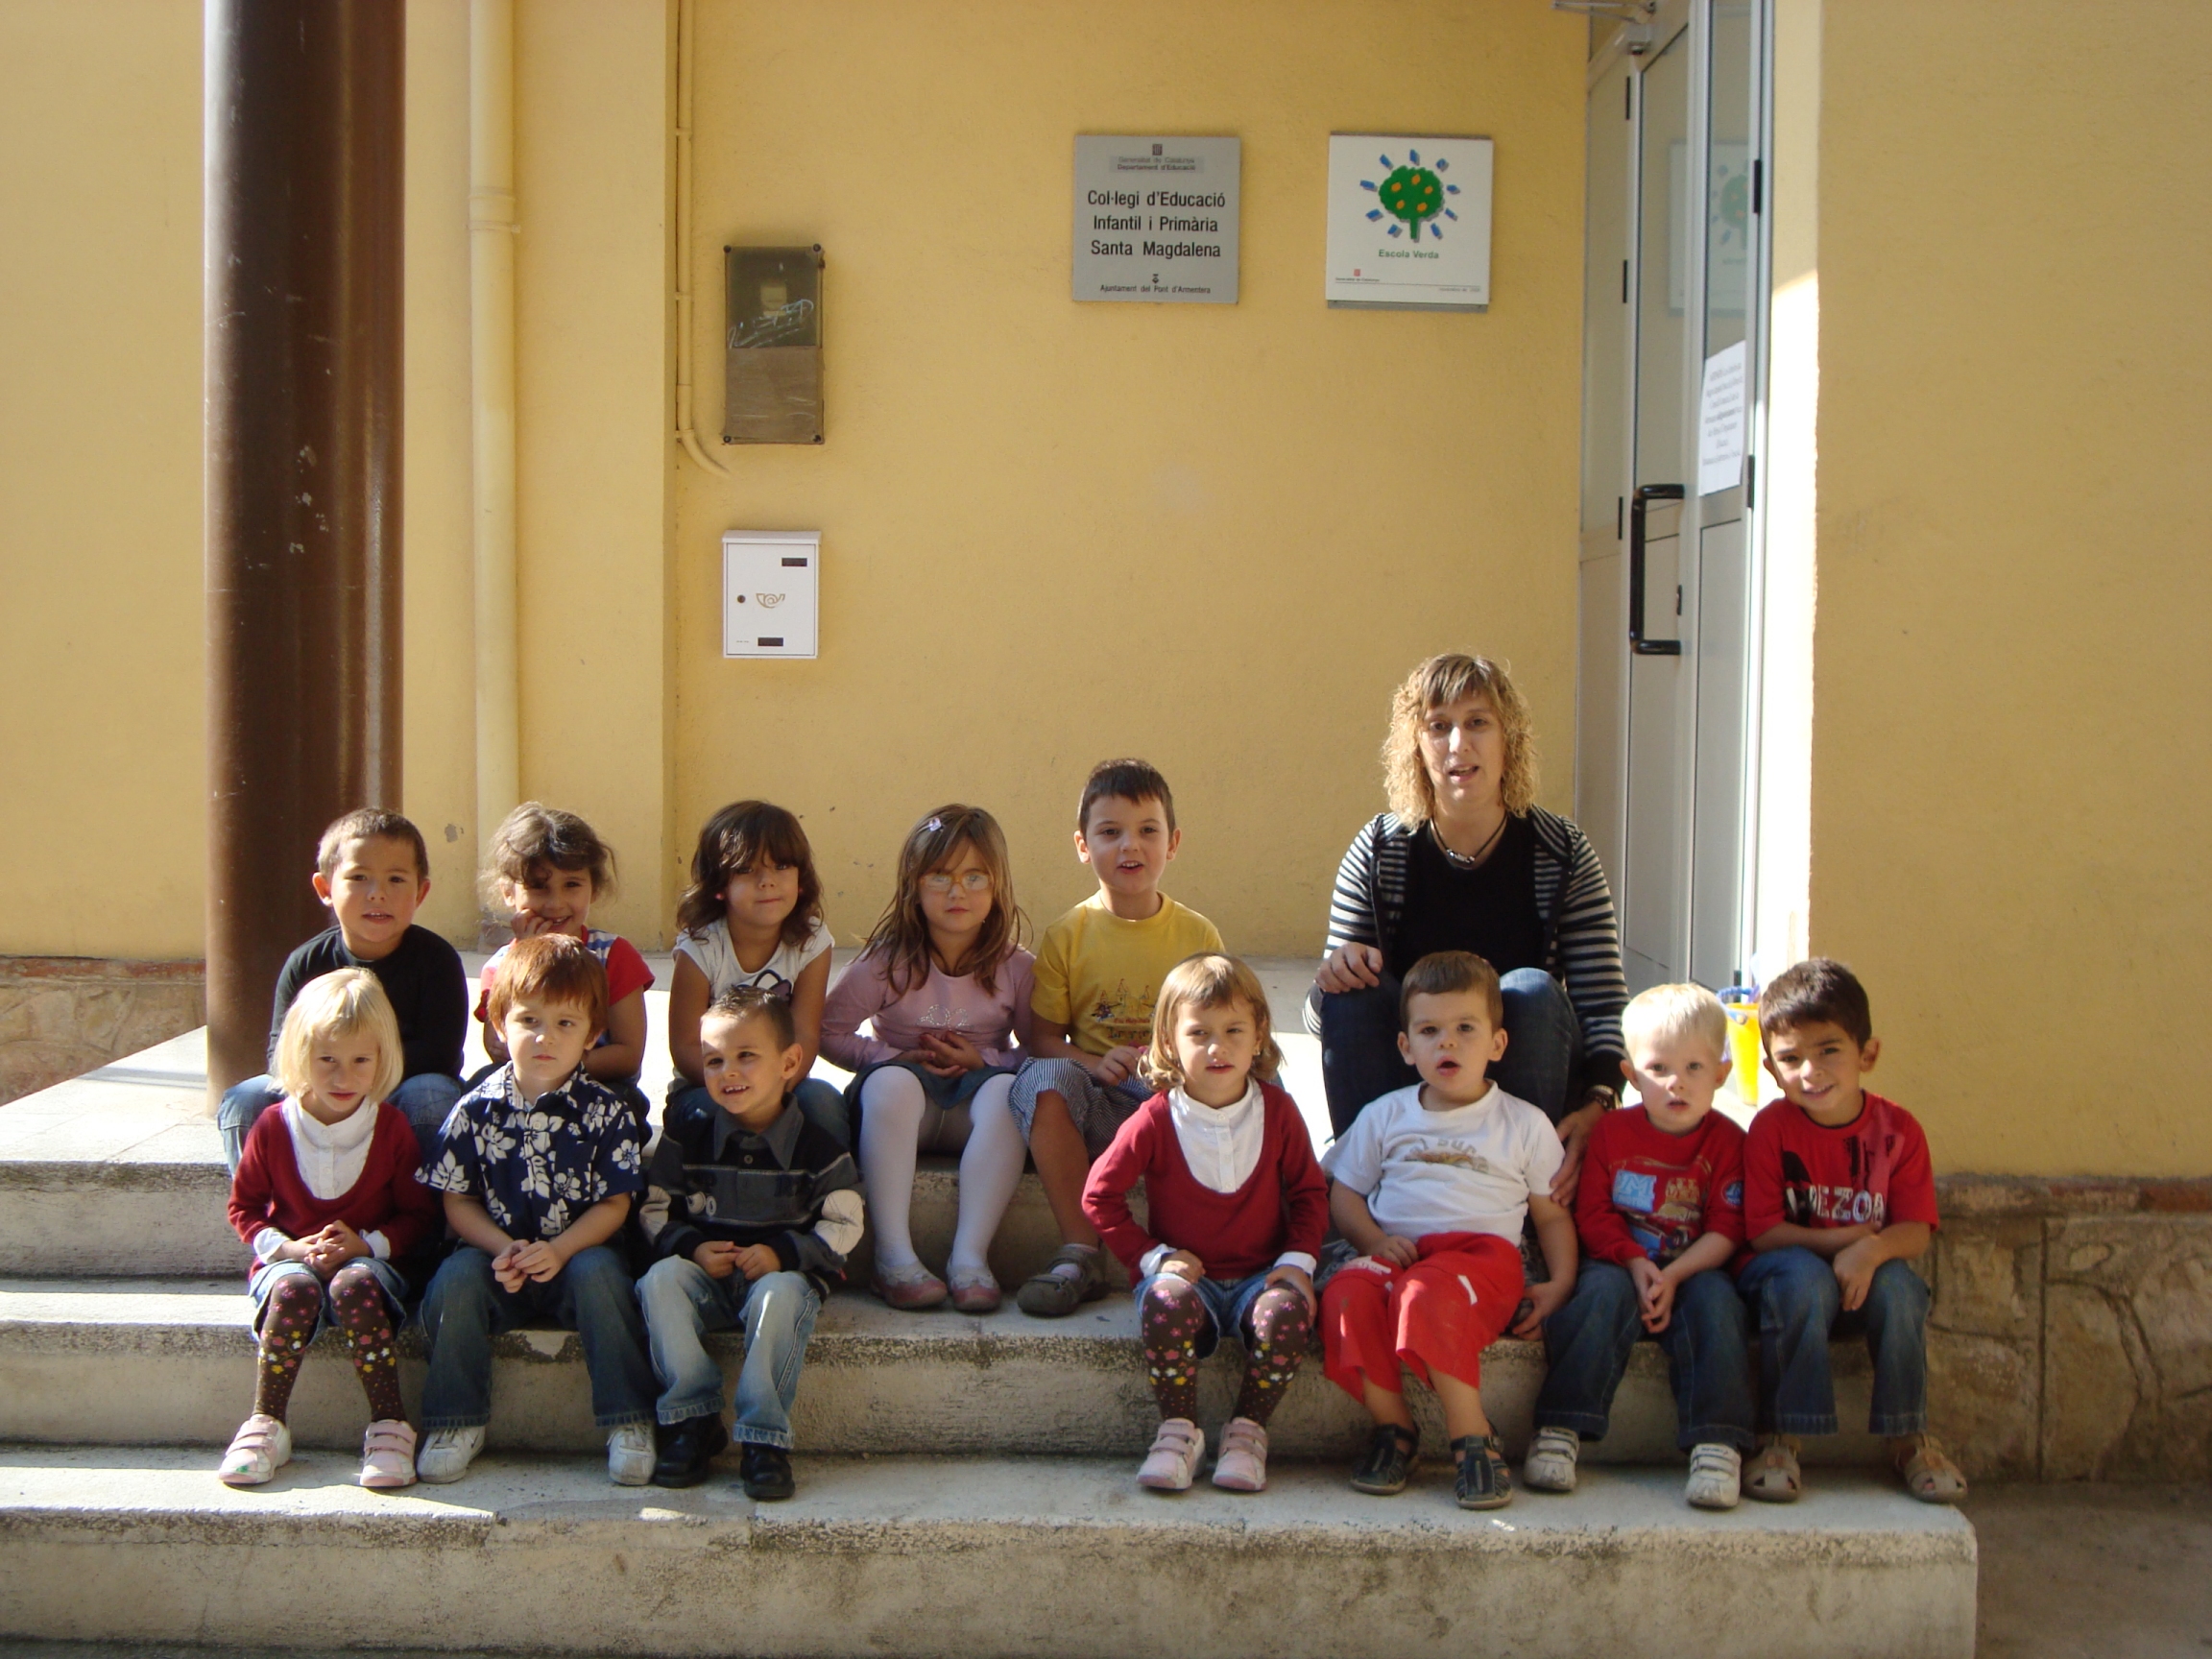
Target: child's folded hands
[(1654, 1294), (332, 1248)]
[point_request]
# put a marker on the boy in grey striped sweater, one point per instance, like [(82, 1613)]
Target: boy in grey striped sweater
[(750, 1211)]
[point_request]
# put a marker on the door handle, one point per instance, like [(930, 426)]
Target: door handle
[(1643, 647)]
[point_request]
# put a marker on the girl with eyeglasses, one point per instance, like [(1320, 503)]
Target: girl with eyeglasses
[(944, 985)]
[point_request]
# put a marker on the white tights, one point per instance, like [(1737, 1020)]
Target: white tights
[(891, 1109)]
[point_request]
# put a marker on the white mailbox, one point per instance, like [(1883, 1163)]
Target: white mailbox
[(771, 592)]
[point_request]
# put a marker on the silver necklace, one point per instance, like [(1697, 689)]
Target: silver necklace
[(1471, 860)]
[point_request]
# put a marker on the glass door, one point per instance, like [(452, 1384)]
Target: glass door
[(1668, 544)]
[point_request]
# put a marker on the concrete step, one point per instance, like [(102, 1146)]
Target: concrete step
[(120, 1171), (124, 1362), (976, 1557)]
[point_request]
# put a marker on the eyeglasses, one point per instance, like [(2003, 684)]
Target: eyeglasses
[(941, 882)]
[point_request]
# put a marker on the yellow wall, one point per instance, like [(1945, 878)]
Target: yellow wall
[(1056, 532), (2012, 768), (594, 462), (102, 780), (102, 758)]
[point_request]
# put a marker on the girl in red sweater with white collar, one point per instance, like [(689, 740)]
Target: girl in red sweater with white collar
[(1238, 1207), (328, 1200)]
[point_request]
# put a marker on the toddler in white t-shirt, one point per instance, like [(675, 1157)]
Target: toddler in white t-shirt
[(1433, 1185)]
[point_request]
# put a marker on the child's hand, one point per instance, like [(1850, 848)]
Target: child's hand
[(1855, 1265), (1300, 1280), (1543, 1301), (1116, 1065), (511, 1278), (754, 1260), (537, 1260), (527, 925), (950, 1053), (716, 1259), (1398, 1251), (1183, 1265), (334, 1247), (1654, 1294)]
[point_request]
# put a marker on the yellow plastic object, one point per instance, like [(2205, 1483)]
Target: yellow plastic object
[(1744, 1052)]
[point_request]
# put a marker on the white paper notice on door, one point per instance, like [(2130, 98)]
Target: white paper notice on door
[(1721, 421)]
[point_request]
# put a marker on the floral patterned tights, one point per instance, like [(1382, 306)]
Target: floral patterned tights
[(288, 1326), (1277, 1334)]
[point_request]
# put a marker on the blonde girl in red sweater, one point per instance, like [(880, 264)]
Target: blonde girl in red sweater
[(1238, 1207), (327, 1198)]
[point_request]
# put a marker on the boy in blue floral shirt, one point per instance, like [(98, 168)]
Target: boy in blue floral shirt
[(539, 1166)]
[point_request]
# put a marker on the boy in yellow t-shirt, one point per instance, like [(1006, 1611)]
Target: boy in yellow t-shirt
[(1098, 968)]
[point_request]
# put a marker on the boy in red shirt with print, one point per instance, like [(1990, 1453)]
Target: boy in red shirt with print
[(1659, 1210), (1839, 1196)]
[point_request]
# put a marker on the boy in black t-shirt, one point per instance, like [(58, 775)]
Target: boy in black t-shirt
[(374, 872)]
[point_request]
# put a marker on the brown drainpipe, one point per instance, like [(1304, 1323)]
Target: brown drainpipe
[(304, 107)]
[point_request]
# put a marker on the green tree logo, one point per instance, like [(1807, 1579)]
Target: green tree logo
[(1414, 196)]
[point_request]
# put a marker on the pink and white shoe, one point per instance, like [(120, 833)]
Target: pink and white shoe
[(388, 1454), (1174, 1457), (1241, 1464), (260, 1447)]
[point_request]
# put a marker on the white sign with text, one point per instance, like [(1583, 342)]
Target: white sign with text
[(1409, 222), (1156, 218)]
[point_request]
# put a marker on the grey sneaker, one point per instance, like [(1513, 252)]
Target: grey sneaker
[(1552, 1458), (446, 1455), (1075, 1276), (1716, 1477), (630, 1455)]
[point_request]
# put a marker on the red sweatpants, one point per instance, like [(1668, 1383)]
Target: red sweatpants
[(1436, 1315)]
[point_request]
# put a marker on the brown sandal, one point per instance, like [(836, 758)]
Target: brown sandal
[(1771, 1476), (1929, 1475)]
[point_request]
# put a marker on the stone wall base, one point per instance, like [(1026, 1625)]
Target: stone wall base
[(2071, 1333), (64, 1016)]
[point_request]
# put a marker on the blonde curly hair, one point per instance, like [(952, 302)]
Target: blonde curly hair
[(1445, 679)]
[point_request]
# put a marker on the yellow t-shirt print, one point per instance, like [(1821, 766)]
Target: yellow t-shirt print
[(1098, 974)]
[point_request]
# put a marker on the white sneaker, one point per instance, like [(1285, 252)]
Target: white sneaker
[(630, 1455), (446, 1455), (260, 1447), (1716, 1477), (1551, 1457)]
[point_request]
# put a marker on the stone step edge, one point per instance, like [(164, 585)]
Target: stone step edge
[(1058, 1557)]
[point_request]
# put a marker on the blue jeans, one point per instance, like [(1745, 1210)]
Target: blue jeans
[(821, 1103), (682, 1301), (1708, 1357), (1793, 1296), (592, 1296), (424, 1099), (1360, 1058)]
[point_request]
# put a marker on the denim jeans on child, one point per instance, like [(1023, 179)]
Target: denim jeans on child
[(1797, 1304), (1708, 1357), (425, 1101), (682, 1301), (1360, 1059), (821, 1103), (594, 1297)]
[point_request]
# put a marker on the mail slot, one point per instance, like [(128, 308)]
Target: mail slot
[(771, 594)]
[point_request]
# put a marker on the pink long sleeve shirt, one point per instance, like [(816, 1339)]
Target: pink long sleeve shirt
[(996, 1021)]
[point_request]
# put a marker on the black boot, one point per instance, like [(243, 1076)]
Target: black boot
[(686, 1449), (766, 1472)]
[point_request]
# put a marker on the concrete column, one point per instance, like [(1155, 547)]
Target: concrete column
[(305, 106)]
